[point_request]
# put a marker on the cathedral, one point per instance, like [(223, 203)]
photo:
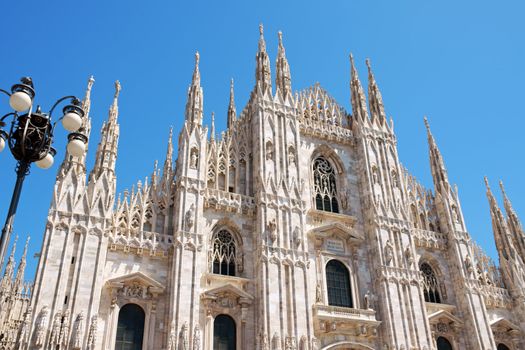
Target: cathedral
[(297, 228)]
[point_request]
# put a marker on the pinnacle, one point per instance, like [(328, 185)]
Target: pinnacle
[(261, 29)]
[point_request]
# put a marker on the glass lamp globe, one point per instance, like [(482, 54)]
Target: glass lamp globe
[(20, 101), (46, 162), (71, 121), (76, 147)]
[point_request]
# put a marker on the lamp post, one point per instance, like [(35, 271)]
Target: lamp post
[(30, 136)]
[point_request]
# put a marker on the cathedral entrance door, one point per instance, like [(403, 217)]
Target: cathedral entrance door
[(224, 333), (130, 328)]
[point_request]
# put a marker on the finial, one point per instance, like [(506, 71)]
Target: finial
[(280, 35), (502, 188), (261, 29), (352, 59), (118, 87), (231, 84), (91, 80), (426, 123), (171, 133), (486, 183), (368, 64), (197, 58)]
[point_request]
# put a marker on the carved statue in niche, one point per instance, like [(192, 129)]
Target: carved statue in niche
[(455, 216), (395, 180), (276, 342), (172, 337), (290, 343), (318, 293), (41, 327), (272, 230), (315, 344), (64, 331), (24, 330), (291, 155), (77, 336), (388, 251), (183, 337), (345, 198), (409, 256), (190, 217), (297, 236), (194, 158), (468, 264), (269, 150), (55, 329), (264, 342), (196, 338), (303, 343), (367, 300), (92, 336)]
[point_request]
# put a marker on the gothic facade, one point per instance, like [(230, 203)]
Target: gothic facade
[(297, 228)]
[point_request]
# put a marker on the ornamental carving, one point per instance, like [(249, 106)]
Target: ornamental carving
[(135, 290)]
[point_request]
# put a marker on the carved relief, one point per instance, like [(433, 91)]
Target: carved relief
[(135, 290), (78, 333), (269, 150)]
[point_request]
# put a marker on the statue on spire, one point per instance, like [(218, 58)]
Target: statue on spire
[(283, 79)]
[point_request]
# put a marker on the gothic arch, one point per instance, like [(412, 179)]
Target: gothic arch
[(230, 225), (328, 152)]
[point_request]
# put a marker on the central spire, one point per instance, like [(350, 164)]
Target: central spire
[(194, 105), (263, 77), (283, 79)]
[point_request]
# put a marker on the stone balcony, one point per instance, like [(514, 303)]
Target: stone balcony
[(229, 202), (344, 320)]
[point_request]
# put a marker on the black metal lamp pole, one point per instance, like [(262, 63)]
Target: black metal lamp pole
[(30, 137)]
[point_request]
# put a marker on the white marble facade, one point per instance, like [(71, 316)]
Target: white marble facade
[(298, 223)]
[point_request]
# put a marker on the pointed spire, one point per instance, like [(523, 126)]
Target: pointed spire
[(499, 227), (19, 280), (194, 104), (437, 166), (357, 94), (167, 172), (377, 109), (169, 153), (283, 79), (514, 224), (86, 103), (106, 156), (232, 112), (263, 74), (212, 132), (10, 266)]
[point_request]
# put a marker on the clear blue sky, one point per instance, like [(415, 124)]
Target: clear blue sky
[(459, 62)]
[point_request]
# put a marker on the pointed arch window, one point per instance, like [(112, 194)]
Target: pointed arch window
[(325, 189), (430, 284), (224, 253), (502, 346), (338, 284)]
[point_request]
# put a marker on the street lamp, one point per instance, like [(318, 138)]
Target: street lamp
[(30, 136)]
